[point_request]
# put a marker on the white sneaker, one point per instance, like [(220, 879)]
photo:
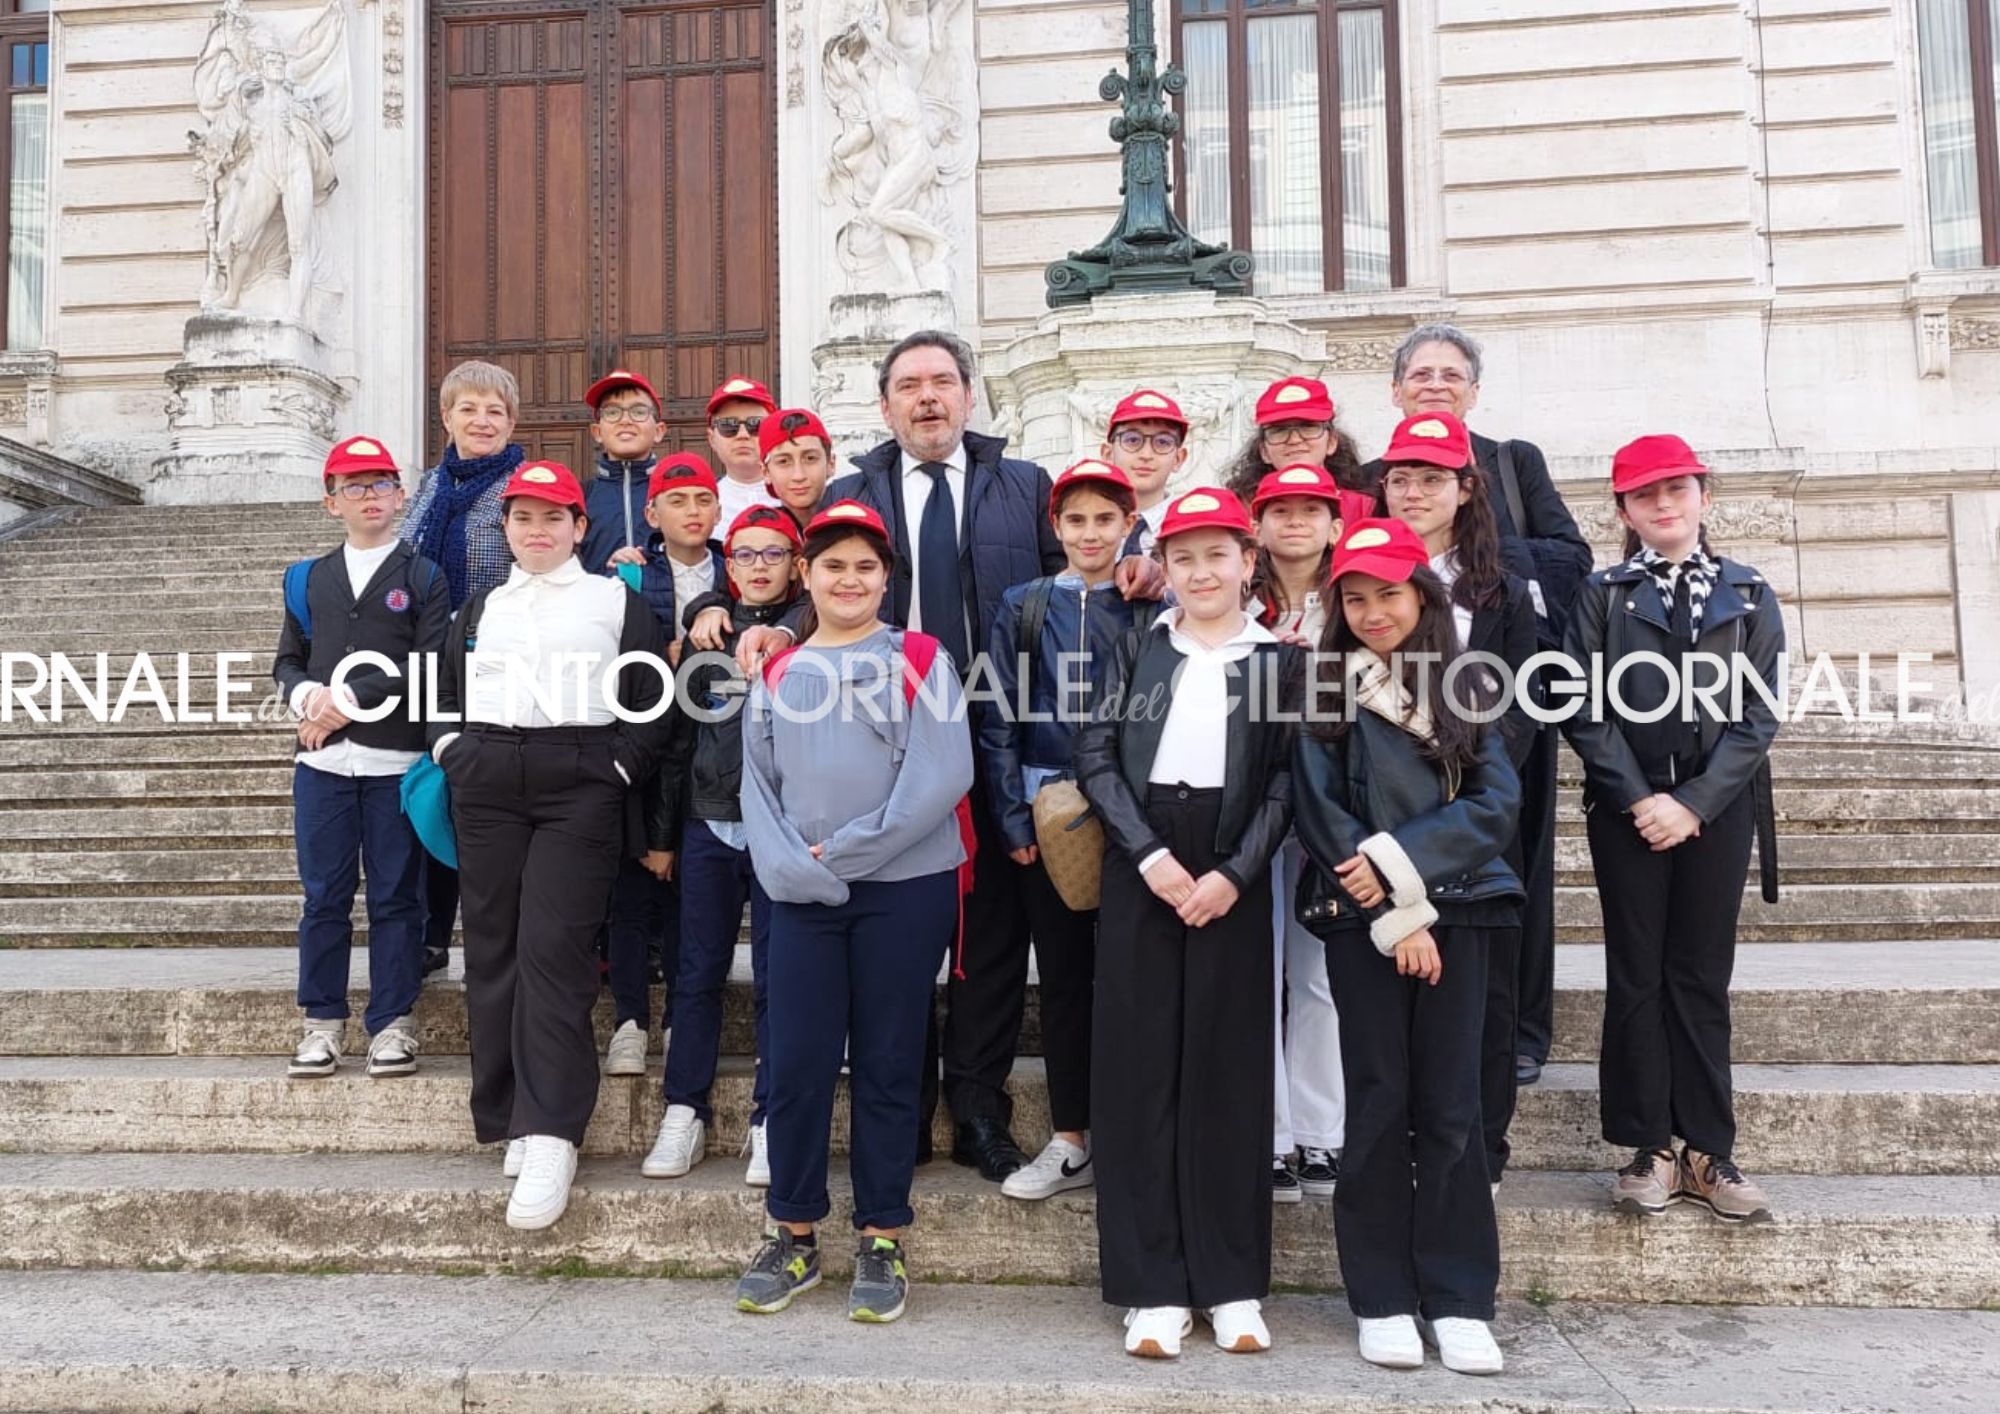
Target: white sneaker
[(757, 1173), (1392, 1342), (1060, 1167), (393, 1050), (517, 1151), (541, 1193), (1496, 1192), (318, 1053), (1466, 1346), (1154, 1332), (1239, 1327), (626, 1055), (682, 1144)]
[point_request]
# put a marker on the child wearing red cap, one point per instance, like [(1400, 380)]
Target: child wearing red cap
[(1432, 484), (1298, 510), (696, 828), (1048, 634), (855, 759), (541, 772), (683, 561), (627, 424), (1186, 764), (798, 461), (1295, 423), (1670, 808), (1147, 440), (737, 410), (1404, 805), (372, 594)]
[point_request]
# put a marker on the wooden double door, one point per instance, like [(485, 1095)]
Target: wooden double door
[(601, 194)]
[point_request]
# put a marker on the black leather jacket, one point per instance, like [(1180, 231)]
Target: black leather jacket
[(1373, 781), (1114, 751)]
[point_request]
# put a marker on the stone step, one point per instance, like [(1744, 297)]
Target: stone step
[(1791, 1119), (151, 618), (1909, 1003), (1927, 1243), (245, 744)]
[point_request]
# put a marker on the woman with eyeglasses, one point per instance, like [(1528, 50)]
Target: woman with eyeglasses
[(627, 425), (1295, 426), (1432, 484)]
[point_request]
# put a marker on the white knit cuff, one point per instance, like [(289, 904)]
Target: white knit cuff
[(1399, 875), (1392, 927)]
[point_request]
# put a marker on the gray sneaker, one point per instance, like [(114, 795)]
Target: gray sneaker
[(780, 1270), (881, 1282), (393, 1050)]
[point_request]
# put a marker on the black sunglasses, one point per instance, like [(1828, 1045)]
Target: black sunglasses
[(730, 426)]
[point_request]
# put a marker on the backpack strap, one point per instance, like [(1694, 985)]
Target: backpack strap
[(1510, 487), (920, 650), (1028, 633), (474, 607), (297, 602), (774, 667)]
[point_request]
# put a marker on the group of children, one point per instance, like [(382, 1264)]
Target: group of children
[(1293, 983)]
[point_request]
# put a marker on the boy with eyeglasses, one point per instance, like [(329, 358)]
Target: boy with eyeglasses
[(1147, 440), (372, 594), (736, 413), (627, 424)]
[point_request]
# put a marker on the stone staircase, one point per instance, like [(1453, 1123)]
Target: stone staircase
[(182, 1227)]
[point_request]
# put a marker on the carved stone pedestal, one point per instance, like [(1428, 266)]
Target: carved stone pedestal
[(251, 414), (860, 330), (1053, 389)]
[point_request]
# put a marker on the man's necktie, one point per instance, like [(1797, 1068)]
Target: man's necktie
[(938, 593)]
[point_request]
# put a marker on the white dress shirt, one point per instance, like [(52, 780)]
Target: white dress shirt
[(690, 583), (1445, 566), (917, 485), (540, 635), (1193, 737), (351, 758), (735, 497), (1149, 525)]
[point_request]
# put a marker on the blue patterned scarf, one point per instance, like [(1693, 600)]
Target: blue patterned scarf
[(441, 536)]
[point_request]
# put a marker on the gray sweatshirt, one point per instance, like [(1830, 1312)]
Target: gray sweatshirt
[(872, 781)]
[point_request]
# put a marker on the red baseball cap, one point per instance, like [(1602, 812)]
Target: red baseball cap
[(1434, 438), (359, 454), (748, 389), (680, 469), (774, 434), (1083, 473), (1147, 406), (848, 515), (545, 481), (763, 518), (1207, 509), (1649, 459), (614, 380), (1295, 400), (1387, 549), (1296, 479)]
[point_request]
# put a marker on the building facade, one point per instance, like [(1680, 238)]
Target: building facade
[(1770, 225)]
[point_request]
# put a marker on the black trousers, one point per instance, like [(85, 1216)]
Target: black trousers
[(1498, 1089), (1066, 962), (539, 816), (440, 902), (1537, 971), (982, 1028), (1180, 1094), (1411, 1052), (1669, 950)]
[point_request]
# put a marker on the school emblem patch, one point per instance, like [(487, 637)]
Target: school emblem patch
[(1430, 427), (1149, 400), (362, 447), (848, 510), (1299, 476), (1197, 502), (538, 474), (1292, 393), (397, 600), (1367, 539), (738, 385)]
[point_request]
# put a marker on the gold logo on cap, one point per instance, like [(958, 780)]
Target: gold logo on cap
[(621, 373), (738, 385), (539, 475), (847, 510), (1149, 400), (1197, 502), (1293, 393), (362, 447), (1298, 476), (1429, 427), (1367, 539)]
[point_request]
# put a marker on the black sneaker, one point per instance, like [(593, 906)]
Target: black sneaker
[(1284, 1182), (436, 960), (780, 1270), (881, 1282), (1319, 1172)]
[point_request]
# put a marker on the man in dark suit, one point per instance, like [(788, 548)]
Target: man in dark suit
[(1437, 369)]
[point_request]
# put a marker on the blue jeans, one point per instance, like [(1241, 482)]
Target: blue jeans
[(715, 880), (340, 822), (859, 975)]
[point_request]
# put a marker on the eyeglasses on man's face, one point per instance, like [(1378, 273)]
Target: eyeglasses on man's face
[(362, 490), (730, 426), (641, 413), (743, 557), (1165, 443), (1295, 432)]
